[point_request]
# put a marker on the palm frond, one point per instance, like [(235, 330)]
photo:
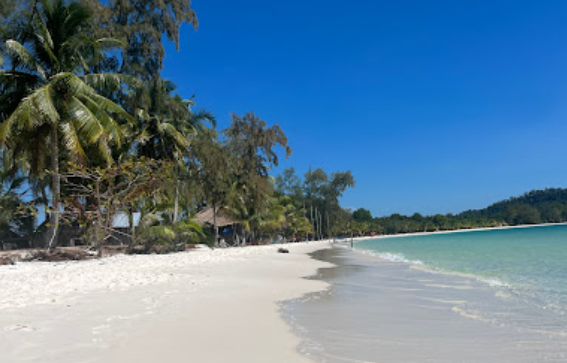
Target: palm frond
[(24, 57), (111, 81), (31, 112), (71, 142), (44, 38), (173, 133), (73, 84), (43, 100), (149, 220), (87, 123), (159, 233)]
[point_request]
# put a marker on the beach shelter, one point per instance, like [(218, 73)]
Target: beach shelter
[(225, 222)]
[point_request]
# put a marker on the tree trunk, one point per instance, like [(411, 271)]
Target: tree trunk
[(320, 226), (312, 225), (317, 219), (305, 216), (132, 227), (176, 205), (99, 227), (351, 235), (55, 189), (328, 226), (215, 225)]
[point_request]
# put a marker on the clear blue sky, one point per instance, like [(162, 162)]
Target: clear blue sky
[(435, 106)]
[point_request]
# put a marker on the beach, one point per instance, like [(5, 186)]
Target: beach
[(201, 306), (381, 311), (321, 302)]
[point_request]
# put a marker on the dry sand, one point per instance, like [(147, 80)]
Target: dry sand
[(202, 306)]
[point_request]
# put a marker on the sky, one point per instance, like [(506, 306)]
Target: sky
[(435, 106)]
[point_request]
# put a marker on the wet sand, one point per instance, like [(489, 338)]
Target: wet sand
[(390, 312)]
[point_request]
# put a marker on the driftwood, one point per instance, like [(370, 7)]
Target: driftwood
[(4, 261), (58, 255)]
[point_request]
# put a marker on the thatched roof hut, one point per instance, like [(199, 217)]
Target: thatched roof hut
[(206, 217)]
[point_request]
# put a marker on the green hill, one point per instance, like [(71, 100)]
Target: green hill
[(537, 206)]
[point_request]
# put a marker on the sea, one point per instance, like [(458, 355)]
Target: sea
[(490, 296)]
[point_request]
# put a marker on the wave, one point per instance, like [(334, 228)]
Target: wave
[(400, 258), (394, 257)]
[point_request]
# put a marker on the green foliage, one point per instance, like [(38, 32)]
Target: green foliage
[(322, 193), (538, 206), (11, 202), (87, 121), (156, 235), (316, 199), (288, 183), (252, 147), (46, 84), (142, 25), (93, 196), (362, 215)]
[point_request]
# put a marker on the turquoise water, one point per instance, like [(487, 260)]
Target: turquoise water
[(531, 262)]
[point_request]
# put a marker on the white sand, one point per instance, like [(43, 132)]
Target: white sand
[(200, 306)]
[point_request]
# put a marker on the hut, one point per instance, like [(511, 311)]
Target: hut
[(225, 223)]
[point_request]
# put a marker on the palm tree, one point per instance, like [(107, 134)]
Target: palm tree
[(49, 94), (166, 122), (154, 232), (166, 127)]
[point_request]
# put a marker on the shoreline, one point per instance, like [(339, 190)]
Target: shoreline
[(419, 265), (205, 306), (397, 314), (355, 239)]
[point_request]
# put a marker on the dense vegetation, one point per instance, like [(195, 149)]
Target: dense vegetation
[(89, 129), (538, 206)]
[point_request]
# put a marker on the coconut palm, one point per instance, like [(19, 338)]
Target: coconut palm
[(49, 95), (166, 124), (166, 127)]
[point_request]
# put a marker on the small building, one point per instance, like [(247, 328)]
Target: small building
[(122, 228), (226, 224)]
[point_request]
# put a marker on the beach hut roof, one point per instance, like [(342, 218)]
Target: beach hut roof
[(205, 216)]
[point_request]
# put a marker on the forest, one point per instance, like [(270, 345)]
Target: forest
[(534, 207), (90, 130)]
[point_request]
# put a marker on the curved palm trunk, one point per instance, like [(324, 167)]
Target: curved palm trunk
[(55, 189)]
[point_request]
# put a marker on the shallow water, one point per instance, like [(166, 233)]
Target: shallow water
[(382, 311), (529, 261)]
